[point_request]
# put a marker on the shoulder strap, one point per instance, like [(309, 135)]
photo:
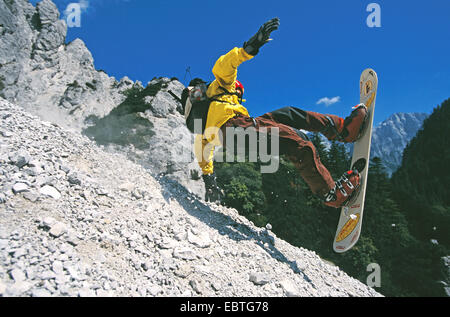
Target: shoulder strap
[(225, 93)]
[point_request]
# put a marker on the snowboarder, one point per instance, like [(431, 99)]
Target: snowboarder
[(226, 110)]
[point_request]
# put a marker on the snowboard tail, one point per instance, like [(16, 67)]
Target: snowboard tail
[(351, 216)]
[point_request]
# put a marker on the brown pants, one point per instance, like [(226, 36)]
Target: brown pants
[(293, 143)]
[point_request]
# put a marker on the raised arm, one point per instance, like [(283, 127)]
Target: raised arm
[(225, 69)]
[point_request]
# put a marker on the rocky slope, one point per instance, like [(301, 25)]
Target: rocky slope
[(148, 127), (58, 81), (78, 221)]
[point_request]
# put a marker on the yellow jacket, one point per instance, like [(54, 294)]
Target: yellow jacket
[(225, 72)]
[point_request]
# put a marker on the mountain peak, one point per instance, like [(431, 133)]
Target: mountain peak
[(391, 136)]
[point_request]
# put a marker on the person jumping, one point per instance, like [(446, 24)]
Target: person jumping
[(226, 110)]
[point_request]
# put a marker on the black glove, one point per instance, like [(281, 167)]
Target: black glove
[(261, 37), (213, 192)]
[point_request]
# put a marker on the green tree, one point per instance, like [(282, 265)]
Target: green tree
[(423, 180), (242, 185), (338, 160), (320, 147)]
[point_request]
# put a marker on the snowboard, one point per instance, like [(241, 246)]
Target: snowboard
[(351, 216)]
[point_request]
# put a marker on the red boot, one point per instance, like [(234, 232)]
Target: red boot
[(350, 129), (344, 190)]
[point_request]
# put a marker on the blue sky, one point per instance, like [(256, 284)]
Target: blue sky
[(319, 51)]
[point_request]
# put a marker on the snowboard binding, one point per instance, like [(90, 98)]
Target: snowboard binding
[(345, 190), (351, 128), (354, 114), (352, 197)]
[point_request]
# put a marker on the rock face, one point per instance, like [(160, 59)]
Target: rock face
[(445, 269), (43, 74), (148, 126), (57, 81), (93, 223)]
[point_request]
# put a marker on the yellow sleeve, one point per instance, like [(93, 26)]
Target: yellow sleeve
[(204, 153), (225, 69)]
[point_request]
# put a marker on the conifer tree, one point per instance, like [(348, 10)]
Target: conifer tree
[(320, 147), (338, 159)]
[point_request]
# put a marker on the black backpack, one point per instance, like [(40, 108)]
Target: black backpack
[(196, 103)]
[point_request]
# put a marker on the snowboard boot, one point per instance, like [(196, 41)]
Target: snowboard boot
[(350, 129), (344, 190)]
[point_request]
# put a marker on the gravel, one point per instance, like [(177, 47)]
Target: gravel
[(101, 225)]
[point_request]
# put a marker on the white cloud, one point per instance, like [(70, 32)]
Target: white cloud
[(329, 101)]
